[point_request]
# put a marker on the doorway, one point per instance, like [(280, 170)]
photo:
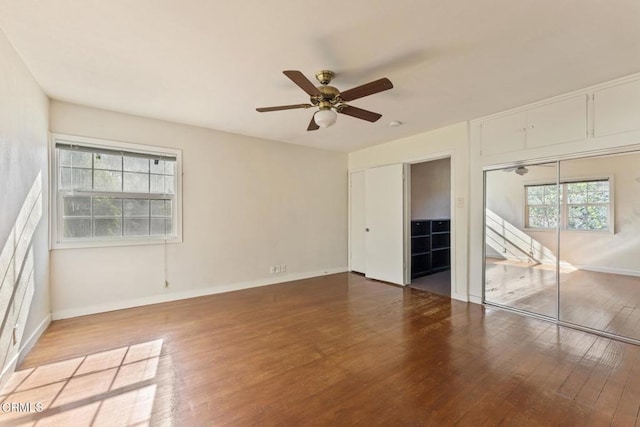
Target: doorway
[(430, 225)]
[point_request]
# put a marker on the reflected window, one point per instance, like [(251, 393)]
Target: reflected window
[(584, 205), (542, 206)]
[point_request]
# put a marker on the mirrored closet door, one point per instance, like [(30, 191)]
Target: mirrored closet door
[(600, 243), (521, 219), (562, 240)]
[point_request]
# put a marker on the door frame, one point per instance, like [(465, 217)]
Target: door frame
[(450, 154), (349, 215), (453, 156)]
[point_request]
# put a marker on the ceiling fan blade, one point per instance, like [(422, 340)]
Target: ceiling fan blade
[(366, 89), (312, 124), (305, 84), (283, 107), (359, 113)]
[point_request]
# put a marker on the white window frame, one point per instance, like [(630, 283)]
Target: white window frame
[(55, 220), (564, 216)]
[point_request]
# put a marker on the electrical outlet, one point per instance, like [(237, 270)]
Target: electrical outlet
[(283, 268), (272, 269), (276, 269)]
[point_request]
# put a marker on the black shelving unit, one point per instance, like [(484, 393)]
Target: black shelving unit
[(430, 246)]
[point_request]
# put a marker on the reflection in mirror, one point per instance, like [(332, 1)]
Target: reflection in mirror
[(600, 237), (521, 219)]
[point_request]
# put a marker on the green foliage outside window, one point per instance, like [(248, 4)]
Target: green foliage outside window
[(583, 205)]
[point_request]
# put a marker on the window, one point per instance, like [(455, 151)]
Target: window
[(584, 205), (542, 206), (114, 193)]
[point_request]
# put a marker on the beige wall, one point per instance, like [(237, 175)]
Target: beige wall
[(451, 141), (431, 189), (248, 203), (24, 261)]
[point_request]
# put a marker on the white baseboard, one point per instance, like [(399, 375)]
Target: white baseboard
[(475, 299), (620, 271), (192, 293), (33, 339), (459, 297), (26, 346)]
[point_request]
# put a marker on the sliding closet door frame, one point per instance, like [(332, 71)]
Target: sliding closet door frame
[(532, 162), (558, 221)]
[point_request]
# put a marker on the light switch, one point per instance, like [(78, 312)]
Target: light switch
[(459, 202)]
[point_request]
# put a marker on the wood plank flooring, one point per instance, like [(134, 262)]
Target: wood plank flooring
[(603, 301), (333, 350)]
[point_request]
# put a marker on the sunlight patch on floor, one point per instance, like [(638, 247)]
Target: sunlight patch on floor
[(113, 387)]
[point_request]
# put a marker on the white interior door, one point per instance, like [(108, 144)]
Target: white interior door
[(357, 259), (384, 216)]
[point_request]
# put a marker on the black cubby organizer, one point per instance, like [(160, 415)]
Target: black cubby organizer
[(430, 246)]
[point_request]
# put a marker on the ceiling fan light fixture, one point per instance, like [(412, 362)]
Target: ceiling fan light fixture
[(325, 117)]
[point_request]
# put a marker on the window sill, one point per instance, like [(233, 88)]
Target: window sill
[(563, 230), (113, 243)]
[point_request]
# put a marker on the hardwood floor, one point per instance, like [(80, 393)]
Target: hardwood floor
[(333, 350), (603, 301)]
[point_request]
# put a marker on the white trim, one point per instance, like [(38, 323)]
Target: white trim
[(33, 339), (461, 297), (54, 242), (609, 270), (25, 348), (475, 299), (109, 143), (349, 242), (131, 241), (453, 244), (192, 293), (406, 229), (601, 146), (584, 91)]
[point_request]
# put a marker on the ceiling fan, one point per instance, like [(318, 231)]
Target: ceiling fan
[(520, 170), (330, 100)]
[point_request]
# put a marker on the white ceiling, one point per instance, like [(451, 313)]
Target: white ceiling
[(211, 63)]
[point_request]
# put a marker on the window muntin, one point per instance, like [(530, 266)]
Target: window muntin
[(106, 194), (542, 202), (584, 205), (588, 205)]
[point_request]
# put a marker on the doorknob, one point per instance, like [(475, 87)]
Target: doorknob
[(366, 229)]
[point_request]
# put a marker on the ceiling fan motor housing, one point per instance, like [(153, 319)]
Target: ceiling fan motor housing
[(329, 95), (325, 76)]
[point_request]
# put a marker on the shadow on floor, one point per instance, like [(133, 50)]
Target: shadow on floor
[(438, 283)]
